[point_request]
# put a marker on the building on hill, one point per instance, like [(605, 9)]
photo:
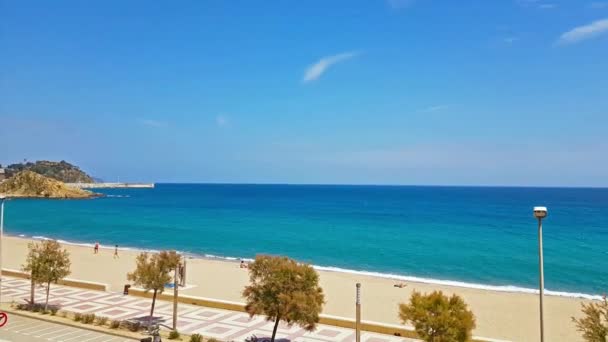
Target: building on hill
[(2, 174)]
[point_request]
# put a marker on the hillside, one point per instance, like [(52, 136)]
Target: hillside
[(30, 184), (61, 171)]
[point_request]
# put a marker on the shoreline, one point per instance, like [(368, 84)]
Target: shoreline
[(398, 277), (509, 316)]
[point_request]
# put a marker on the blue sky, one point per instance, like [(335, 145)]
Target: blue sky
[(509, 92)]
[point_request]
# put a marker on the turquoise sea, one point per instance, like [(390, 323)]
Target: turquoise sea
[(474, 236)]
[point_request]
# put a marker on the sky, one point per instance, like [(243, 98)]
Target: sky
[(413, 92)]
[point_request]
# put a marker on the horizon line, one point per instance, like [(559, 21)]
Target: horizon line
[(389, 185)]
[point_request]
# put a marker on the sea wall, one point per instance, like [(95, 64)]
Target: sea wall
[(110, 185), (88, 285), (381, 328)]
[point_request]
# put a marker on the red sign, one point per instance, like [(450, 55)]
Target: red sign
[(3, 319)]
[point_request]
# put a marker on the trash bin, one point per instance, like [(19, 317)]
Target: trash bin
[(126, 290)]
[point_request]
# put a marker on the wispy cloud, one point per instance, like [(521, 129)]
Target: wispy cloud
[(598, 5), (510, 40), (399, 4), (152, 123), (315, 71), (547, 6), (222, 121), (433, 108), (540, 4), (584, 32)]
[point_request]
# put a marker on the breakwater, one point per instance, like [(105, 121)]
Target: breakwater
[(110, 185)]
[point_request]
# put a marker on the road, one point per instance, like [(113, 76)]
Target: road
[(21, 329)]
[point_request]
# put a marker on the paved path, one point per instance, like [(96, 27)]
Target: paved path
[(221, 324), (21, 329)]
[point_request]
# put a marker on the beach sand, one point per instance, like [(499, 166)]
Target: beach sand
[(500, 315)]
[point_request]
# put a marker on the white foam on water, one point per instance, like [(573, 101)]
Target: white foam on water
[(498, 288)]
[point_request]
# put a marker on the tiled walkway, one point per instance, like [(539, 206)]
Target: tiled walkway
[(30, 330), (221, 324)]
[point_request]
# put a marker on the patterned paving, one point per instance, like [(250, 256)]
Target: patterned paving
[(221, 324), (30, 330)]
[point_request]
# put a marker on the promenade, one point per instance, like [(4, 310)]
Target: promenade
[(210, 322)]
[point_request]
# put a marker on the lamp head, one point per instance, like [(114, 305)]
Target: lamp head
[(540, 212)]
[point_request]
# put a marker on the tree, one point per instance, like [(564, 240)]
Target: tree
[(284, 290), (594, 325), (152, 273), (47, 263), (438, 318), (172, 261)]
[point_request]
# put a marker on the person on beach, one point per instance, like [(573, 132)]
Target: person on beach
[(116, 252), (243, 264), (96, 249), (400, 285)]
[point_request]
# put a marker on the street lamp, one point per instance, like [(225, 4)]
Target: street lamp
[(540, 213), (2, 199), (358, 314)]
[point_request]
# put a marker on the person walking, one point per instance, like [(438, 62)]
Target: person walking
[(96, 249), (116, 252)]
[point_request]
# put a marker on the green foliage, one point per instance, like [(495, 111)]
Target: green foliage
[(284, 290), (174, 335), (53, 309), (152, 272), (213, 340), (115, 324), (134, 326), (101, 320), (61, 171), (169, 259), (438, 318), (594, 324), (88, 318), (47, 263), (196, 338), (77, 317)]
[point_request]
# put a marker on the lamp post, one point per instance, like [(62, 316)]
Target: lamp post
[(540, 213), (358, 314), (175, 289), (2, 199)]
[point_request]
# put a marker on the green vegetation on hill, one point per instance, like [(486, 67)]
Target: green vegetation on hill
[(61, 171), (30, 184)]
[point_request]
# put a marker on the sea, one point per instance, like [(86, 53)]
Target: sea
[(478, 237)]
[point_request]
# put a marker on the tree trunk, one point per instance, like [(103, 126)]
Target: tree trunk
[(175, 288), (274, 330), (153, 302), (32, 290), (48, 289)]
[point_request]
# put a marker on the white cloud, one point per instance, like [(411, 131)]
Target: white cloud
[(584, 32), (433, 108), (598, 5), (315, 71), (541, 4), (152, 123), (547, 6), (399, 4), (510, 40), (222, 121)]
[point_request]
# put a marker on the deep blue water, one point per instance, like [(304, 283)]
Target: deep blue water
[(479, 235)]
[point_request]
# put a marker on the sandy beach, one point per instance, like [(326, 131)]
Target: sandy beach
[(501, 315)]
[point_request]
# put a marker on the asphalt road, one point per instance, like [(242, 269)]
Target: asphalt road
[(21, 329)]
